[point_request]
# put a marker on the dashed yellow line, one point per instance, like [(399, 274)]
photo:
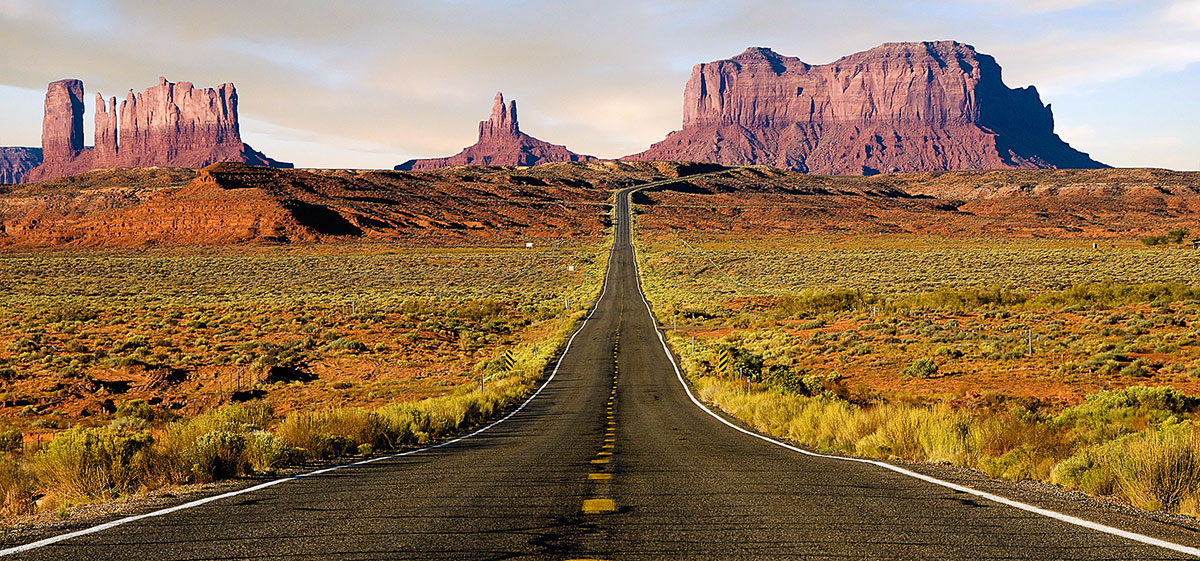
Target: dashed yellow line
[(599, 506), (600, 461), (599, 476)]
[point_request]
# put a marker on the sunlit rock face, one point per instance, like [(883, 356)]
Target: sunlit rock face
[(900, 107), (501, 143), (171, 125)]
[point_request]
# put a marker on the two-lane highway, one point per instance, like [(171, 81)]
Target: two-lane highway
[(611, 460)]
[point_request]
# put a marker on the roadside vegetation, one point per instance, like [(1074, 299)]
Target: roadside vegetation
[(1021, 359), (128, 372)]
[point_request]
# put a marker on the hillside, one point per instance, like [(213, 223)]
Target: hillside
[(231, 203)]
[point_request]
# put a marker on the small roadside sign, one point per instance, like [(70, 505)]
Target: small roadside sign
[(725, 362), (509, 361)]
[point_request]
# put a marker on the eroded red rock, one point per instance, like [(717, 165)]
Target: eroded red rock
[(900, 107), (501, 143), (171, 124), (16, 161)]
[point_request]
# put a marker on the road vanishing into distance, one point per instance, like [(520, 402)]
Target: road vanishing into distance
[(612, 459)]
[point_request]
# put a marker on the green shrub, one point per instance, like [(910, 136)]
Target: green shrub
[(216, 455), (1136, 369), (1160, 469), (812, 302), (922, 368), (18, 487), (94, 462), (331, 433), (1087, 471), (1108, 414), (948, 352), (965, 299), (136, 408), (72, 312), (348, 344), (11, 440), (1174, 236), (266, 453)]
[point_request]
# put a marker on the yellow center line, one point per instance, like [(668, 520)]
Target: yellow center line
[(600, 461), (607, 446), (599, 476), (603, 453), (610, 440), (599, 506)]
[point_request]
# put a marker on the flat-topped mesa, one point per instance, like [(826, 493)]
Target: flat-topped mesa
[(501, 143), (900, 107), (171, 124)]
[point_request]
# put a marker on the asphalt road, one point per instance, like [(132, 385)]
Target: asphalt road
[(610, 461)]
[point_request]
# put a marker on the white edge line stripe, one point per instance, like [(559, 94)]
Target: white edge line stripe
[(63, 537), (983, 494)]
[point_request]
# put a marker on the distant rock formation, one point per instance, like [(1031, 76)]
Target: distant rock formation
[(175, 125), (501, 143), (900, 107), (16, 161)]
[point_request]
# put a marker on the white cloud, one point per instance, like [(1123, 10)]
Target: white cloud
[(1183, 12)]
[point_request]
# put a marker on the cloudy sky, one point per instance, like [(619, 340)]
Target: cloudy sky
[(372, 83)]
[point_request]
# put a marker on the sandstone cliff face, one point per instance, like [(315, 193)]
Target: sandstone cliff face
[(170, 124), (62, 126), (16, 161), (900, 107), (501, 143)]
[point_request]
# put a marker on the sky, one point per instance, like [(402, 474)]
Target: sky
[(372, 83)]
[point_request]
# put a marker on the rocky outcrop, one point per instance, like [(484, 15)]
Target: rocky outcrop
[(900, 107), (16, 161), (62, 123), (501, 143), (171, 125), (232, 203)]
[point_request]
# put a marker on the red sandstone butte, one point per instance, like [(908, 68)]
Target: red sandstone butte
[(900, 107), (501, 143), (16, 162), (171, 124)]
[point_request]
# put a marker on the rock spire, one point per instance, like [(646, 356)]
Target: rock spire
[(501, 143)]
